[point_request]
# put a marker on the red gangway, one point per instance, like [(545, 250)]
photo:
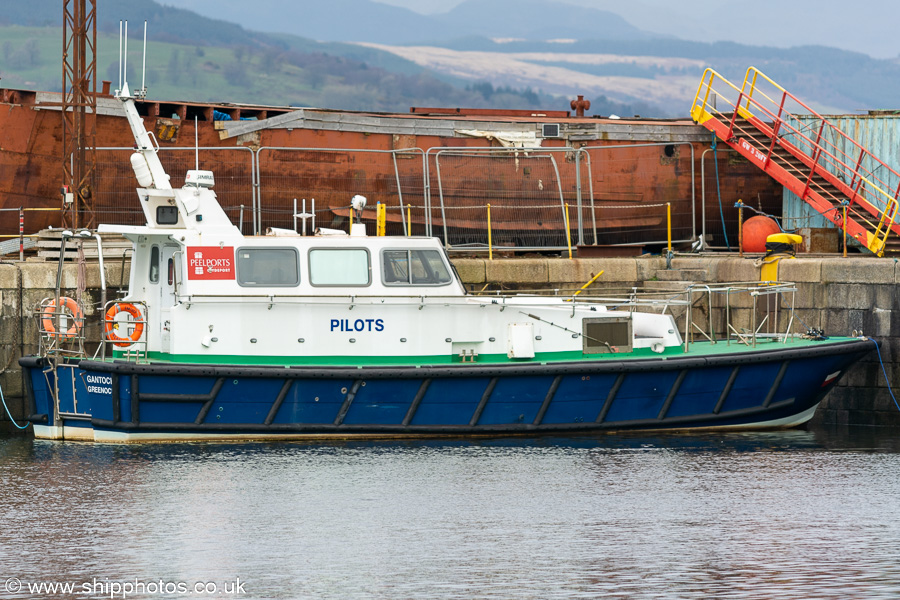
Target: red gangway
[(804, 152)]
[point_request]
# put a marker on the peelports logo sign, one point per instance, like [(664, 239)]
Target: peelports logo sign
[(210, 262)]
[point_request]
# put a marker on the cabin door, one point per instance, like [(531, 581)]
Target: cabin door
[(168, 289)]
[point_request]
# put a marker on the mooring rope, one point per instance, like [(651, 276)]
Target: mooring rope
[(6, 408), (884, 371), (718, 190)]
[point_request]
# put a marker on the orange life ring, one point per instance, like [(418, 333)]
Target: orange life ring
[(112, 325), (49, 315)]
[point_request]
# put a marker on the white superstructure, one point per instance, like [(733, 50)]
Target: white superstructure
[(207, 290)]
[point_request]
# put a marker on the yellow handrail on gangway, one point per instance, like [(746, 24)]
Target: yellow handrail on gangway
[(827, 160)]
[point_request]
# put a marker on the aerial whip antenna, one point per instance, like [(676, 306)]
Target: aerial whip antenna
[(120, 58), (125, 59), (143, 92), (196, 146)]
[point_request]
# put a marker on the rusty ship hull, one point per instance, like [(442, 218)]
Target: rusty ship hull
[(437, 170)]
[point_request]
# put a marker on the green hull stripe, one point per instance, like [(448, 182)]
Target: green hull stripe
[(373, 360), (697, 349)]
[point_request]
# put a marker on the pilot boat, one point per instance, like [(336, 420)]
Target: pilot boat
[(344, 335)]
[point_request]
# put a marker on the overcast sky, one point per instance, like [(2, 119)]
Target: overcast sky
[(867, 26)]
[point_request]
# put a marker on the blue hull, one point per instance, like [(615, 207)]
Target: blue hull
[(127, 401)]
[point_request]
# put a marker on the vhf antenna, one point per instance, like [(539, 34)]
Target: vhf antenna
[(142, 93), (123, 59), (196, 146), (123, 62), (119, 89)]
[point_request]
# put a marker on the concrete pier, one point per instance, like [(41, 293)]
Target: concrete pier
[(837, 295)]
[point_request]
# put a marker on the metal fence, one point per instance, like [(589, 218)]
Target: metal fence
[(613, 194), (233, 168), (521, 188), (332, 176), (632, 214)]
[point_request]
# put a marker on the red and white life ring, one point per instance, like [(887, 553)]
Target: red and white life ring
[(112, 325), (50, 313)]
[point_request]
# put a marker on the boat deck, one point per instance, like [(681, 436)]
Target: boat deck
[(698, 350)]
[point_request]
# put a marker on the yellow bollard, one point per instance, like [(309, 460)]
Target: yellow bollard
[(490, 243), (844, 226), (669, 224), (380, 219), (568, 232), (408, 221)]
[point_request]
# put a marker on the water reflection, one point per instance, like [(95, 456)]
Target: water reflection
[(793, 514)]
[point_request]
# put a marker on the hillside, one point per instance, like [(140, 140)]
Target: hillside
[(665, 72), (283, 71), (598, 52), (622, 70)]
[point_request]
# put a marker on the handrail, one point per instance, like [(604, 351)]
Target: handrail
[(820, 155), (817, 115), (863, 151), (817, 143), (618, 296)]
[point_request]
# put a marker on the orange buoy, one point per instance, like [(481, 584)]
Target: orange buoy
[(756, 230)]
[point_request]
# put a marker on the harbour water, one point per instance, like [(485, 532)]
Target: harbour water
[(793, 514)]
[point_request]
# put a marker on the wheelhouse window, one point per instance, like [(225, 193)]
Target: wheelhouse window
[(154, 264), (414, 267), (268, 267), (166, 215), (339, 266)]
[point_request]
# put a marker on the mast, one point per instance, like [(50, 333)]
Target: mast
[(79, 110)]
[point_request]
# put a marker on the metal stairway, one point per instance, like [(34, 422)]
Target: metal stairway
[(804, 152)]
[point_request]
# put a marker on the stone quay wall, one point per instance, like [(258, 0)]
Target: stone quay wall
[(837, 295), (23, 286)]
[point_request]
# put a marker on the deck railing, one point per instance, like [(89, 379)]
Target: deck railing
[(870, 186)]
